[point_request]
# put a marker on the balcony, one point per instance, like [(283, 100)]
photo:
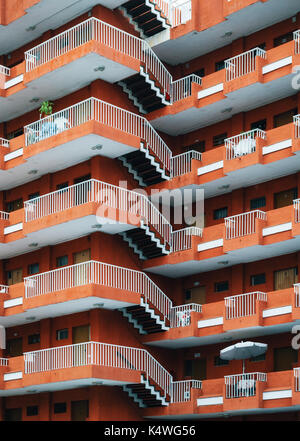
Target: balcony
[(132, 292), (103, 129), (239, 394), (241, 316), (135, 370), (250, 80), (246, 237), (249, 158)]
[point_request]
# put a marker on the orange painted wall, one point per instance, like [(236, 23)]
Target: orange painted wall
[(105, 404)]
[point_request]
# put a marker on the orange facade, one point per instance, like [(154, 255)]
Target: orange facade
[(113, 307)]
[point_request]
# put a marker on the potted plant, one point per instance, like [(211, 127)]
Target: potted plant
[(45, 109)]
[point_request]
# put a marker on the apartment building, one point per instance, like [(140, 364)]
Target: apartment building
[(111, 309)]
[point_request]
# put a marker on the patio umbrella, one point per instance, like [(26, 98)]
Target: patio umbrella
[(243, 350)]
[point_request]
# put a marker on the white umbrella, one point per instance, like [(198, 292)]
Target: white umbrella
[(243, 350)]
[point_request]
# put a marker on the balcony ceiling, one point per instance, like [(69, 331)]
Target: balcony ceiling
[(43, 16), (61, 82), (244, 22)]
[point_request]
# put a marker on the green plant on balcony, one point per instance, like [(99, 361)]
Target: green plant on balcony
[(46, 108)]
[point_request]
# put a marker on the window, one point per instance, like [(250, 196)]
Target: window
[(218, 361), (60, 407), (14, 205), (258, 279), (260, 357), (62, 261), (219, 139), (219, 65), (200, 72), (34, 195), (32, 410), (33, 268), (258, 203), (33, 339), (62, 186), (282, 39), (62, 334), (261, 124), (221, 286), (199, 146), (284, 118), (220, 213), (15, 133)]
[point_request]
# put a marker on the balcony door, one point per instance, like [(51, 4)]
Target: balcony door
[(15, 347), (13, 414), (284, 198), (79, 410), (81, 272), (80, 334), (81, 192), (284, 358), (285, 278), (196, 295), (14, 276)]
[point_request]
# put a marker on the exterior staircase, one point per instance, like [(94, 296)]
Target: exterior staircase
[(145, 318), (146, 17), (146, 394), (145, 167), (145, 242), (144, 91)]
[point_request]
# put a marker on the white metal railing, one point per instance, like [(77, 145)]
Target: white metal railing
[(297, 125), (243, 385), (183, 88), (181, 390), (180, 316), (182, 164), (243, 64), (243, 224), (4, 289), (296, 203), (95, 29), (297, 41), (297, 379), (4, 70), (182, 239), (99, 354), (101, 274), (243, 144), (4, 215), (181, 12), (297, 294), (3, 361), (136, 205), (104, 113), (4, 142), (243, 305)]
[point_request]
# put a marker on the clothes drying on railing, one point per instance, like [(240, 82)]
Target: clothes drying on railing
[(48, 128), (244, 147)]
